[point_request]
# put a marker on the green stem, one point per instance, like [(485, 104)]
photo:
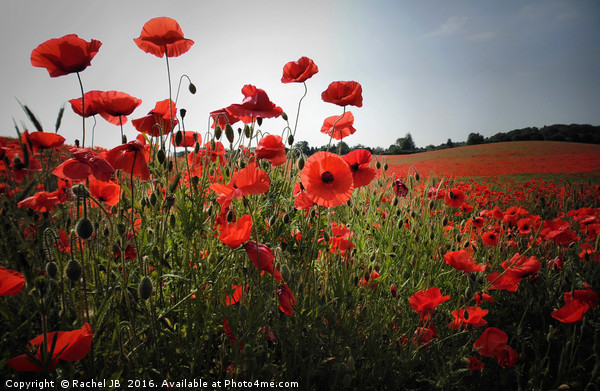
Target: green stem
[(333, 129), (82, 109)]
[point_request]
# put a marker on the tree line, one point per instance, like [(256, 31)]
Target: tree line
[(589, 134)]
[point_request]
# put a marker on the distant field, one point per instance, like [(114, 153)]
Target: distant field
[(511, 158)]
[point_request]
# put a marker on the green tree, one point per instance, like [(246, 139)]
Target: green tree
[(475, 138)]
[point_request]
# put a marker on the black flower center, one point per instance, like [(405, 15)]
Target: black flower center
[(327, 177), (354, 167)]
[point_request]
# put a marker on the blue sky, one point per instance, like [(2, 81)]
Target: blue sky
[(437, 69)]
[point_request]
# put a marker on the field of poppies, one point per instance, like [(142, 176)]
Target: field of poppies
[(241, 260)]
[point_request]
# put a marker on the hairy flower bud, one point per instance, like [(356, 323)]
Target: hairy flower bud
[(145, 288), (84, 228), (73, 270)]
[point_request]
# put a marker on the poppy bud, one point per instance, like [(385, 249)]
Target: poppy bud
[(326, 236), (84, 228), (400, 224), (259, 121), (153, 199), (385, 166), (73, 270), (284, 116), (121, 229), (272, 220), (178, 137), (378, 165), (106, 232), (247, 131), (301, 163), (195, 180), (229, 133), (393, 290), (290, 140), (51, 269), (229, 216), (175, 183), (196, 147), (395, 202), (169, 201), (192, 88), (170, 165), (350, 364), (286, 218), (451, 195), (182, 113), (172, 221), (145, 288), (347, 380), (77, 143), (417, 176), (285, 272), (124, 139), (218, 132), (242, 164), (161, 156), (243, 312)]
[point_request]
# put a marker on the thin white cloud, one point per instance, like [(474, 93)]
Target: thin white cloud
[(452, 26), (457, 26)]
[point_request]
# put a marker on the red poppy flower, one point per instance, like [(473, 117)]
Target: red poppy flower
[(343, 126), (343, 93), (107, 192), (480, 297), (576, 305), (490, 238), (228, 331), (84, 163), (271, 148), (339, 242), (163, 35), (327, 179), (454, 198), (42, 201), (286, 299), (236, 233), (130, 158), (491, 342), (262, 257), (371, 281), (251, 180), (222, 117), (522, 266), (70, 346), (424, 301), (299, 71), (424, 335), (93, 103), (472, 315), (475, 364), (189, 139), (462, 260), (359, 161), (508, 281), (68, 54), (255, 104), (11, 282), (116, 105), (45, 140), (236, 295), (158, 120), (400, 188), (507, 357)]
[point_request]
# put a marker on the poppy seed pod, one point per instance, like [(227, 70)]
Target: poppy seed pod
[(84, 228), (182, 113), (73, 270), (145, 288)]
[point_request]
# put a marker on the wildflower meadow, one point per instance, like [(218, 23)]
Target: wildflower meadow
[(225, 258)]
